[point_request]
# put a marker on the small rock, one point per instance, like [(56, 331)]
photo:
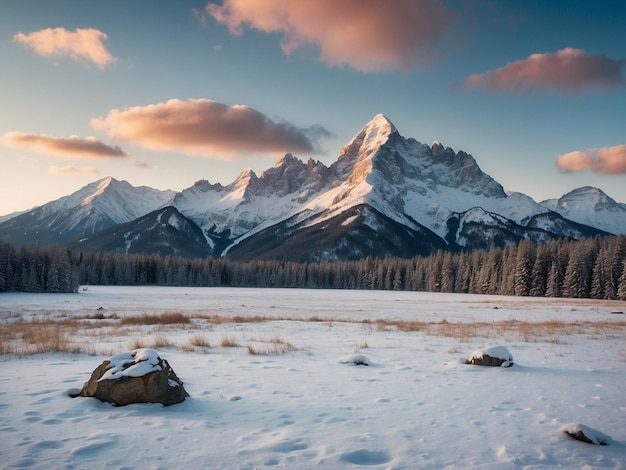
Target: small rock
[(355, 360), (583, 433), (497, 356)]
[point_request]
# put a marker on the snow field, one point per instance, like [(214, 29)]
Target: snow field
[(415, 406)]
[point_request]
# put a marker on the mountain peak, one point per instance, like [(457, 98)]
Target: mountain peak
[(590, 206), (380, 126), (585, 196), (98, 188), (287, 159), (364, 145)]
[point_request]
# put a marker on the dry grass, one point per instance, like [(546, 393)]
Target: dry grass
[(228, 342), (37, 337), (400, 325), (551, 331), (199, 341), (75, 334), (271, 346), (157, 341), (222, 319), (165, 318), (161, 341), (137, 343)]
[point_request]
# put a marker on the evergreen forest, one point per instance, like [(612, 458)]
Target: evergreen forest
[(587, 268)]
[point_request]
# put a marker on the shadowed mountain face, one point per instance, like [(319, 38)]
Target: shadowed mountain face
[(164, 231), (385, 195)]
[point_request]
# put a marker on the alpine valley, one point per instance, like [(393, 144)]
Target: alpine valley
[(384, 196)]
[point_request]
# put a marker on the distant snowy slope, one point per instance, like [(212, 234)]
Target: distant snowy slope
[(4, 218), (94, 207), (590, 206)]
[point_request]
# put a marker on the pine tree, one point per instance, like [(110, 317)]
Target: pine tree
[(524, 262), (621, 290), (448, 272), (540, 271), (572, 279)]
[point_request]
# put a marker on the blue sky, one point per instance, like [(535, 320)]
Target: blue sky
[(166, 93)]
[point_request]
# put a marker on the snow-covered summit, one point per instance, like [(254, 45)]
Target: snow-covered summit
[(92, 208), (354, 157), (590, 206), (410, 181), (380, 126)]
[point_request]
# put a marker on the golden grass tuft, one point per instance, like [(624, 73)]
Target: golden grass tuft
[(137, 343), (161, 341), (228, 342), (165, 318), (197, 341), (271, 346)]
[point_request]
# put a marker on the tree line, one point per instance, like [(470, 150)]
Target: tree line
[(37, 269), (587, 268)]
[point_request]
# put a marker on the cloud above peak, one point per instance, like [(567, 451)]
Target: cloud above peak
[(208, 128), (606, 160), (72, 170), (366, 35), (72, 146), (568, 70), (84, 45)]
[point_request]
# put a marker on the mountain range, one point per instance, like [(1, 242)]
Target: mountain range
[(385, 195)]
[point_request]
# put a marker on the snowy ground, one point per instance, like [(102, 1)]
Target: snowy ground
[(417, 405)]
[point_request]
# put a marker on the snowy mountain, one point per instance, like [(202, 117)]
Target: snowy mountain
[(251, 202), (95, 207), (164, 231), (590, 206), (421, 197), (385, 195)]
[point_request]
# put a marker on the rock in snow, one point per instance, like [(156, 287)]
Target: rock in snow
[(583, 433), (355, 360), (139, 376), (495, 356)]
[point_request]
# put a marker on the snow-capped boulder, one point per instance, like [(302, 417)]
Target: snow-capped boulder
[(583, 433), (139, 376), (498, 356), (355, 360)]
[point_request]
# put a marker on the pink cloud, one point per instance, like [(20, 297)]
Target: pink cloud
[(607, 160), (367, 35), (72, 146), (81, 44), (144, 164), (569, 70), (208, 128), (72, 170)]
